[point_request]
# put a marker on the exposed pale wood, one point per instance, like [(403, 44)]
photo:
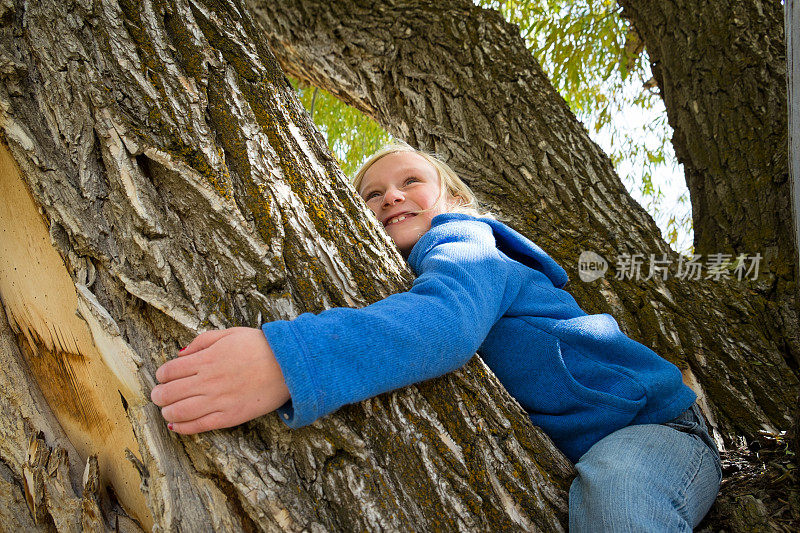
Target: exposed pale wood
[(83, 381), (38, 479)]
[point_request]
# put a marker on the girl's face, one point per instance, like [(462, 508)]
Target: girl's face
[(398, 187)]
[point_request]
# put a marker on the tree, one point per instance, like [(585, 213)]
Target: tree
[(184, 188), (728, 111), (596, 61)]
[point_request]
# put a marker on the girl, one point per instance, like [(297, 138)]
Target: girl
[(620, 412)]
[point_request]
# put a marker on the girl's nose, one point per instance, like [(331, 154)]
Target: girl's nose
[(392, 196)]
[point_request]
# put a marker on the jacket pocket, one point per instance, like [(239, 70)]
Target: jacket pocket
[(601, 384), (547, 376)]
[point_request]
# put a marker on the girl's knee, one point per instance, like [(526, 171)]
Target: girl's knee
[(609, 489), (613, 501), (631, 483)]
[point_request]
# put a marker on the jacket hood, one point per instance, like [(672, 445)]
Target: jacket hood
[(514, 245)]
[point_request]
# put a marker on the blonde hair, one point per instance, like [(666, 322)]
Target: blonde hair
[(449, 182)]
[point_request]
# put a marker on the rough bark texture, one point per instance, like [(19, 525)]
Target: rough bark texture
[(721, 69), (165, 180), (457, 79), (730, 122), (183, 187)]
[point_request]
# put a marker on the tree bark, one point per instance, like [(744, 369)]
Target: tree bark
[(181, 187), (457, 79), (160, 178), (721, 70)]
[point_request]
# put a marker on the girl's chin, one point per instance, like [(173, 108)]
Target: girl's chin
[(405, 234), (406, 242)]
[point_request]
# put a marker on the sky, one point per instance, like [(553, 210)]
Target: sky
[(667, 178)]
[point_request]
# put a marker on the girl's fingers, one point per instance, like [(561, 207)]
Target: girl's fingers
[(225, 378), (204, 340), (182, 367), (215, 420), (174, 391), (188, 409)]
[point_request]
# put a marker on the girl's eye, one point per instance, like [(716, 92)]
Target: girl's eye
[(411, 179), (370, 196)]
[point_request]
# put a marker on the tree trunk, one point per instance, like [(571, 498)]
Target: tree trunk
[(160, 178), (184, 188), (451, 77), (721, 69)]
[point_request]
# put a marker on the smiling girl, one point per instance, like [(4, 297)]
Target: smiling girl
[(403, 189), (620, 412)]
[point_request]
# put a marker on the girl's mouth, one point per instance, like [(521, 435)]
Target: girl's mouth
[(398, 219)]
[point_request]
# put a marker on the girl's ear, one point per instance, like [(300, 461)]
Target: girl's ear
[(454, 202)]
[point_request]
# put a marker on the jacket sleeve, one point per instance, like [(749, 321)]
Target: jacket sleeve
[(343, 355)]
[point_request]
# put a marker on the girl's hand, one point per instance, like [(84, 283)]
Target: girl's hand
[(221, 379)]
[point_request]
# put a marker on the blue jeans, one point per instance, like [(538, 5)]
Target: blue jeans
[(649, 477)]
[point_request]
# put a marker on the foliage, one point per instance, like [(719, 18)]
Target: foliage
[(351, 135)]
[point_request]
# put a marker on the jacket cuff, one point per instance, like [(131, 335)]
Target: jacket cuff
[(291, 354)]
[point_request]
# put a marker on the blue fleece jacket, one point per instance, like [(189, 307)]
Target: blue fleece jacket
[(483, 287)]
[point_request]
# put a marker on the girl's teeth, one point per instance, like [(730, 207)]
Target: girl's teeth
[(398, 219)]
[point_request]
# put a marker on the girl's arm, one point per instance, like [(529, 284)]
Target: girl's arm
[(345, 355), (340, 356)]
